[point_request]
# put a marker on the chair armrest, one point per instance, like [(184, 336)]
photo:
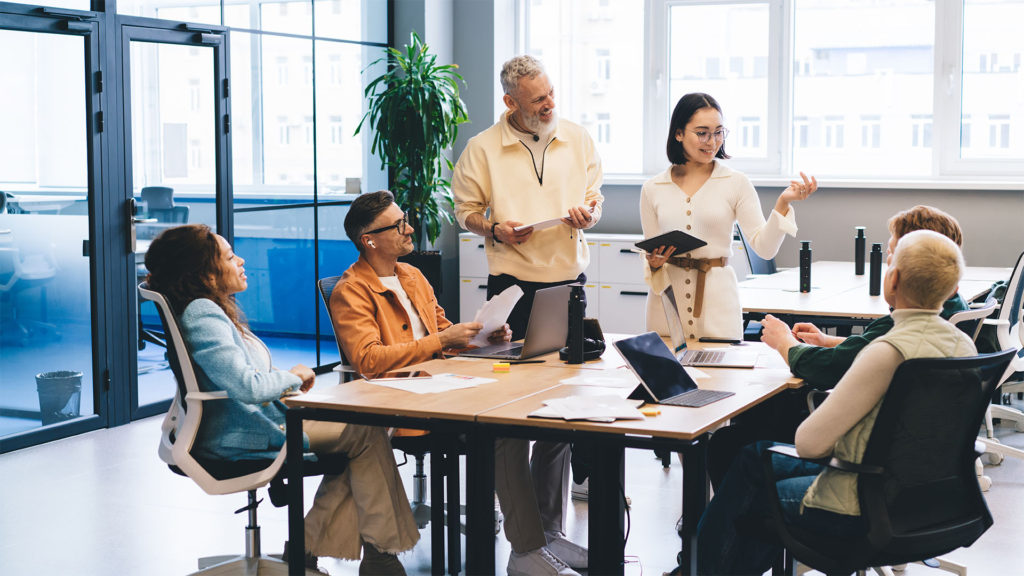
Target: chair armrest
[(996, 322), (219, 395), (815, 398), (790, 451)]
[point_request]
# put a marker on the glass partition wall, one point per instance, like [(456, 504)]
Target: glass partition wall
[(239, 115)]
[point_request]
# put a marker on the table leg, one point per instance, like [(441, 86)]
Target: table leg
[(606, 509), (695, 499), (436, 504), (480, 503), (451, 459), (296, 522)]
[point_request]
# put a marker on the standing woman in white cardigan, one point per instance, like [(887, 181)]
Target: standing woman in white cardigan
[(703, 197)]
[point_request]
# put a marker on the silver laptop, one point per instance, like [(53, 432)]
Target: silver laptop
[(662, 379), (713, 358), (546, 329)]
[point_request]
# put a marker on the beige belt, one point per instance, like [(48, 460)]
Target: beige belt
[(701, 265)]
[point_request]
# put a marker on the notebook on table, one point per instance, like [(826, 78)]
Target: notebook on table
[(713, 358), (663, 380), (546, 330)]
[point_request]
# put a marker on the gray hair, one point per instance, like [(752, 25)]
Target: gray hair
[(516, 68)]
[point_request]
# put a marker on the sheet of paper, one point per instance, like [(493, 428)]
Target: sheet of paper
[(606, 378), (540, 225), (437, 383), (604, 408), (494, 313)]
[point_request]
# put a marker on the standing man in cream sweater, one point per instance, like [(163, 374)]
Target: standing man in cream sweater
[(527, 168)]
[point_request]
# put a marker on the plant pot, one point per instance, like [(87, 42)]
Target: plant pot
[(429, 263)]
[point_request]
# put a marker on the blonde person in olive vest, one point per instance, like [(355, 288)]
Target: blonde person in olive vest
[(926, 269)]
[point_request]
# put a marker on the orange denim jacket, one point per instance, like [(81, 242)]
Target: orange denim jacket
[(373, 325)]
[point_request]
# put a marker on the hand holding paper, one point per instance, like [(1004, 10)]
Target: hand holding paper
[(494, 313)]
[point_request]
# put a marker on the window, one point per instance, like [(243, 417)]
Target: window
[(871, 131), (607, 40), (809, 70), (337, 135)]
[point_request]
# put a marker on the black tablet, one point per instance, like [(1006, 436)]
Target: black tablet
[(681, 240)]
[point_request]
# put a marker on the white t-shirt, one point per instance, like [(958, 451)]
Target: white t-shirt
[(418, 328)]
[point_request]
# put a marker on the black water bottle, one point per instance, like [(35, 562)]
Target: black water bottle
[(577, 309), (875, 280), (805, 266), (859, 247)]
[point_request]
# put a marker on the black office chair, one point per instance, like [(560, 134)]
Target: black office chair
[(160, 205), (917, 486), (758, 265), (178, 433)]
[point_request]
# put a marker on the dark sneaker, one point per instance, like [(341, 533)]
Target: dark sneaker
[(377, 563)]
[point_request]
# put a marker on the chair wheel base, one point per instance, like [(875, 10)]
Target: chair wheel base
[(243, 566)]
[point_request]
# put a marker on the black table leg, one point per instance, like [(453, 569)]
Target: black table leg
[(480, 503), (436, 506), (451, 459), (606, 509), (296, 523), (695, 499)]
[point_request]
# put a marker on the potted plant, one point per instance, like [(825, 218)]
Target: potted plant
[(415, 111)]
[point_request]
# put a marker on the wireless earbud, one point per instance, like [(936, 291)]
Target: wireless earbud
[(372, 245)]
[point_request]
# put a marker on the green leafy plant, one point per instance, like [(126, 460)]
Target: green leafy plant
[(415, 111)]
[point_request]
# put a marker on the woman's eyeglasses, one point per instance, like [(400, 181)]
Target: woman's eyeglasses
[(704, 136), (399, 226)]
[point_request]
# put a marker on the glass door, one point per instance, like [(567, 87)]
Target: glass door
[(176, 164), (51, 383)]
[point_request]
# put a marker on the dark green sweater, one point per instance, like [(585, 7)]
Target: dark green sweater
[(822, 367)]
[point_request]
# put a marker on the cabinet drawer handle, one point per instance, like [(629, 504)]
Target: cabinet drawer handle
[(632, 293), (482, 287), (479, 245), (626, 251)]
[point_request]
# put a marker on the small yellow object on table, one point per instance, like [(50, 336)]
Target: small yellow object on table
[(648, 410), (501, 367)]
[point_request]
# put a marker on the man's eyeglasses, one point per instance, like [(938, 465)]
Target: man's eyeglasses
[(704, 136), (400, 226)]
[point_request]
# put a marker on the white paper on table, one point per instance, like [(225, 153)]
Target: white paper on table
[(494, 313), (436, 383), (696, 373), (606, 378), (605, 408), (540, 225)]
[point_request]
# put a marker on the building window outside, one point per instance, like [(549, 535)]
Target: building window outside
[(801, 132), (604, 128), (871, 131), (921, 131), (999, 131), (834, 131)]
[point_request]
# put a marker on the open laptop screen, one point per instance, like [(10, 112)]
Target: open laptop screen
[(654, 364)]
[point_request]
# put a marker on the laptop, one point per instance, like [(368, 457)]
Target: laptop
[(546, 330), (663, 380), (713, 358)]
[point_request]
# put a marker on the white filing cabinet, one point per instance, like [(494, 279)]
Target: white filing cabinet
[(616, 293)]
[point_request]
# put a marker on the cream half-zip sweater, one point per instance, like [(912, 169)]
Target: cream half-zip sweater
[(496, 177)]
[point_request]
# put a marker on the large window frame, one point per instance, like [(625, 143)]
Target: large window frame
[(948, 165)]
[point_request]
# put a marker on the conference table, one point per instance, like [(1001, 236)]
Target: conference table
[(837, 293), (500, 409)]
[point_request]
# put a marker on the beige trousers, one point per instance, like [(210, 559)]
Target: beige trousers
[(533, 492), (367, 502)]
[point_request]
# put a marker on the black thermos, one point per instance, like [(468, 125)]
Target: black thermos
[(875, 280), (859, 247), (805, 266), (577, 309)]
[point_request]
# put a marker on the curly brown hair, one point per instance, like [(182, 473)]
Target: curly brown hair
[(923, 217), (184, 264)]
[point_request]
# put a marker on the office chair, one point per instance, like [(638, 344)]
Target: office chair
[(916, 482), (19, 273), (178, 433), (160, 205), (1010, 336), (758, 265)]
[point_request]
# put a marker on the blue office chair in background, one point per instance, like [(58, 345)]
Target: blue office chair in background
[(160, 205)]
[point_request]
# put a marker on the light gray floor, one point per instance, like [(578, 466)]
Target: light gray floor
[(103, 504)]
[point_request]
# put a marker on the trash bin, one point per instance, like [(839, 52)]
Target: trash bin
[(60, 395)]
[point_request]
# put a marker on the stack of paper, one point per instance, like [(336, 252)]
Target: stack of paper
[(605, 408), (436, 383)]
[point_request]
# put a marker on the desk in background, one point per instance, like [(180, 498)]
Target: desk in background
[(500, 409)]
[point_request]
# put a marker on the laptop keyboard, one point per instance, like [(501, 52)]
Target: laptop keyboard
[(696, 398), (501, 350), (703, 357)]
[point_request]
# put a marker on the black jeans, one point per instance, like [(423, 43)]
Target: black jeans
[(520, 315)]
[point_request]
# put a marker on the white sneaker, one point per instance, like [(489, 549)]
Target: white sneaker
[(581, 491), (539, 562), (576, 556)]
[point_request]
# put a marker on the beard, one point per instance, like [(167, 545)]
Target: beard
[(543, 129)]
